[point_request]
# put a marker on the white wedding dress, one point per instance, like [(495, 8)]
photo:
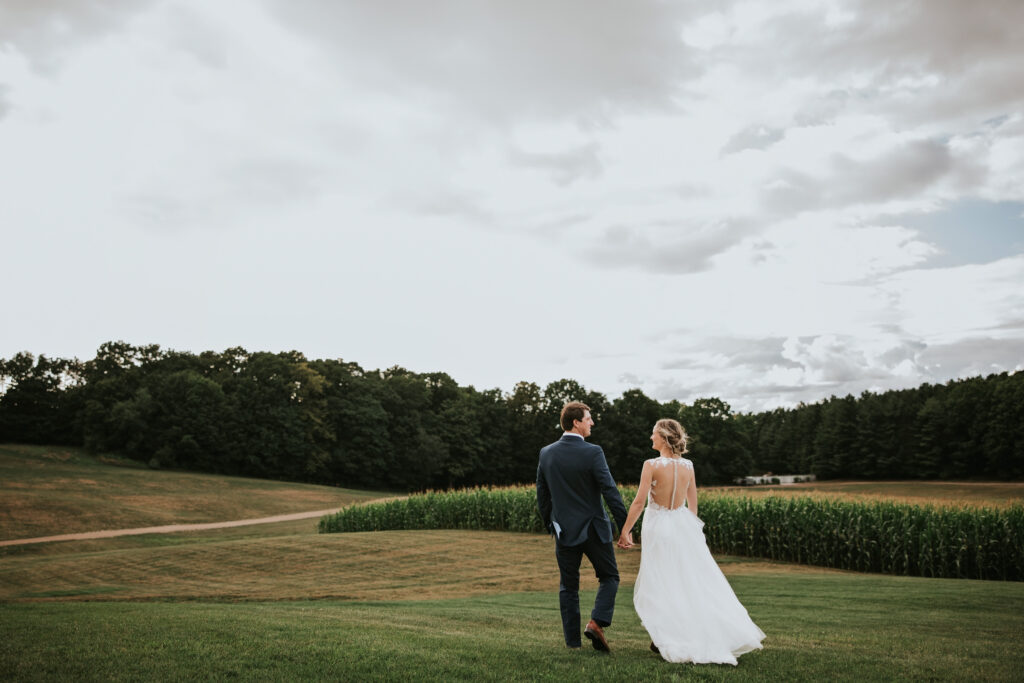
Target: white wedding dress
[(681, 596)]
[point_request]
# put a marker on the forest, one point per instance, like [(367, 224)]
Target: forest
[(283, 416)]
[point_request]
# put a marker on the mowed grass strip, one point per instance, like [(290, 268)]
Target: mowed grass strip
[(820, 627), (388, 565), (48, 491), (217, 535)]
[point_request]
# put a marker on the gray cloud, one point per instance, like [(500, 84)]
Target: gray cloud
[(160, 211), (753, 137), (831, 359), (759, 355), (972, 356), (743, 397), (832, 366), (924, 60), (668, 334), (456, 204), (822, 109), (901, 172), (265, 182), (44, 31), (565, 167), (560, 224), (907, 349), (5, 105), (690, 191), (630, 379), (508, 60), (895, 37), (197, 37), (1016, 324), (678, 249), (276, 179)]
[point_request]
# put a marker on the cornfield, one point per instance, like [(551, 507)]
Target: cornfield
[(883, 537)]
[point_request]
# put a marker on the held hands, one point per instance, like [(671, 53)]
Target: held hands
[(625, 540)]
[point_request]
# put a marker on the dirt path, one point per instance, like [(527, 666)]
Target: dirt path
[(170, 528)]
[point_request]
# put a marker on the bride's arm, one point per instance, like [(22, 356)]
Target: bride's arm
[(638, 502), (691, 493)]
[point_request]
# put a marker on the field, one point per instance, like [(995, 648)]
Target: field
[(920, 492), (49, 491), (281, 602)]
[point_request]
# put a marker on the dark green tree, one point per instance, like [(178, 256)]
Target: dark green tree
[(718, 449), (626, 433), (36, 405)]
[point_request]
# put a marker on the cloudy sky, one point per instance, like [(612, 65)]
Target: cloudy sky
[(765, 202)]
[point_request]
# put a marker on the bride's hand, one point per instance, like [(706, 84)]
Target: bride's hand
[(625, 541)]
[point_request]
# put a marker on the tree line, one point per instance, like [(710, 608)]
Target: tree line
[(965, 429), (283, 416)]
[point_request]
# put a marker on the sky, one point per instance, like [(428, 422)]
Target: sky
[(769, 203)]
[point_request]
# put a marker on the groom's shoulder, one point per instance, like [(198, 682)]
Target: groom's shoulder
[(575, 445), (591, 449), (565, 444), (553, 446)]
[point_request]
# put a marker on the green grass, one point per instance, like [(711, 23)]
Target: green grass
[(281, 602), (820, 627), (476, 605), (53, 490)]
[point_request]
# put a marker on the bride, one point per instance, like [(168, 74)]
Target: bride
[(681, 595)]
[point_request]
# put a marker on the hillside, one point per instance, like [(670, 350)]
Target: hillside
[(59, 490)]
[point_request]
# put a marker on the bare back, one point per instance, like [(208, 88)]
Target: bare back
[(671, 478)]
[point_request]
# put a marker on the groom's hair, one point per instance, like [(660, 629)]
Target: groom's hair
[(570, 412)]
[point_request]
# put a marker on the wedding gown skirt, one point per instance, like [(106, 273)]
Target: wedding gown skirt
[(682, 597)]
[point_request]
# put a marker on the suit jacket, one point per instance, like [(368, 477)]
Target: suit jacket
[(572, 477)]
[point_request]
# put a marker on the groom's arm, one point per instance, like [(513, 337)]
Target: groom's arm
[(609, 490), (544, 500)]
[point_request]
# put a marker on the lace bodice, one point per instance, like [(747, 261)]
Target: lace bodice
[(662, 461), (669, 477)]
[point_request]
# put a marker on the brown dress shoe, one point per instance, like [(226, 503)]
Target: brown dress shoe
[(596, 635), (654, 648)]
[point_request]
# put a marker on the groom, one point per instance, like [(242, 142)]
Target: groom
[(572, 477)]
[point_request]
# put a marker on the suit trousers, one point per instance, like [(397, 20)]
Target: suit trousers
[(602, 557)]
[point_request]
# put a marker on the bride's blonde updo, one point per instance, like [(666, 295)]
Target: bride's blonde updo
[(674, 434)]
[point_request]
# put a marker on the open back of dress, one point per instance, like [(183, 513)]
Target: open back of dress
[(670, 479)]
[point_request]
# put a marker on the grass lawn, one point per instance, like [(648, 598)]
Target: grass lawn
[(286, 603), (820, 627), (51, 490), (281, 602)]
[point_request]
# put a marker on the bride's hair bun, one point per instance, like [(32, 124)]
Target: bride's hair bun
[(674, 435)]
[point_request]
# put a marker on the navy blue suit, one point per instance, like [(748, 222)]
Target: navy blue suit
[(572, 479)]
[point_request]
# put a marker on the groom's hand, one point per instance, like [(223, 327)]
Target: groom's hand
[(625, 540)]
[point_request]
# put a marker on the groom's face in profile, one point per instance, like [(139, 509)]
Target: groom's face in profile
[(583, 426)]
